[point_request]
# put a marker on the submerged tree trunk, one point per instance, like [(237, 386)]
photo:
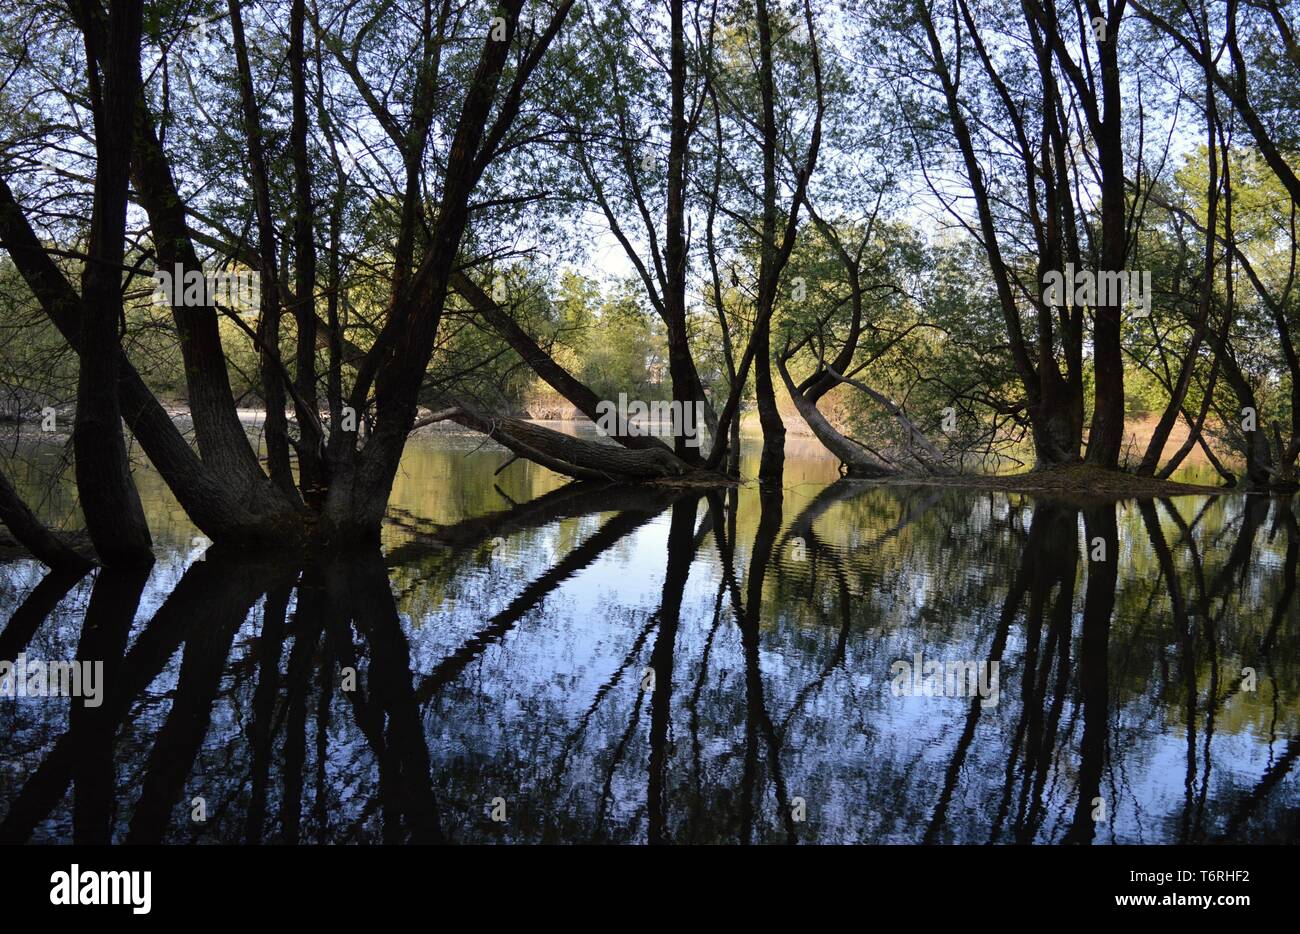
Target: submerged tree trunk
[(109, 500), (223, 501), (1098, 95), (771, 465), (223, 487), (541, 362), (773, 255), (772, 461), (773, 259)]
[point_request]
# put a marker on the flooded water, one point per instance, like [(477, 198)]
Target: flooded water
[(529, 661)]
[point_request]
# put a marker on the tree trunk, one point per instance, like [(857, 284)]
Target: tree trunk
[(223, 445), (681, 365), (32, 533), (1160, 435), (1106, 434), (1056, 420), (541, 362), (576, 457), (311, 477), (109, 500), (220, 502), (1259, 459), (275, 428), (771, 465), (361, 479), (772, 462), (1101, 105), (857, 462)]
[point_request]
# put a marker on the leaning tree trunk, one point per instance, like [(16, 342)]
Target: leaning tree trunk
[(542, 363), (857, 462), (215, 500), (1259, 458), (576, 457), (988, 228), (32, 533), (1178, 393), (223, 445)]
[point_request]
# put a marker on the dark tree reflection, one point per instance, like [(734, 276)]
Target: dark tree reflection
[(604, 665)]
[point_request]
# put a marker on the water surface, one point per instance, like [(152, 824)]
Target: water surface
[(618, 665)]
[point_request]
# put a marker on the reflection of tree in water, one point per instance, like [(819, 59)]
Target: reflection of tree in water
[(1121, 680)]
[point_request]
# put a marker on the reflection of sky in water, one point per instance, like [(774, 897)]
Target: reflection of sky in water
[(525, 659)]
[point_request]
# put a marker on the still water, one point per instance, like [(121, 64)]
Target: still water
[(528, 661)]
